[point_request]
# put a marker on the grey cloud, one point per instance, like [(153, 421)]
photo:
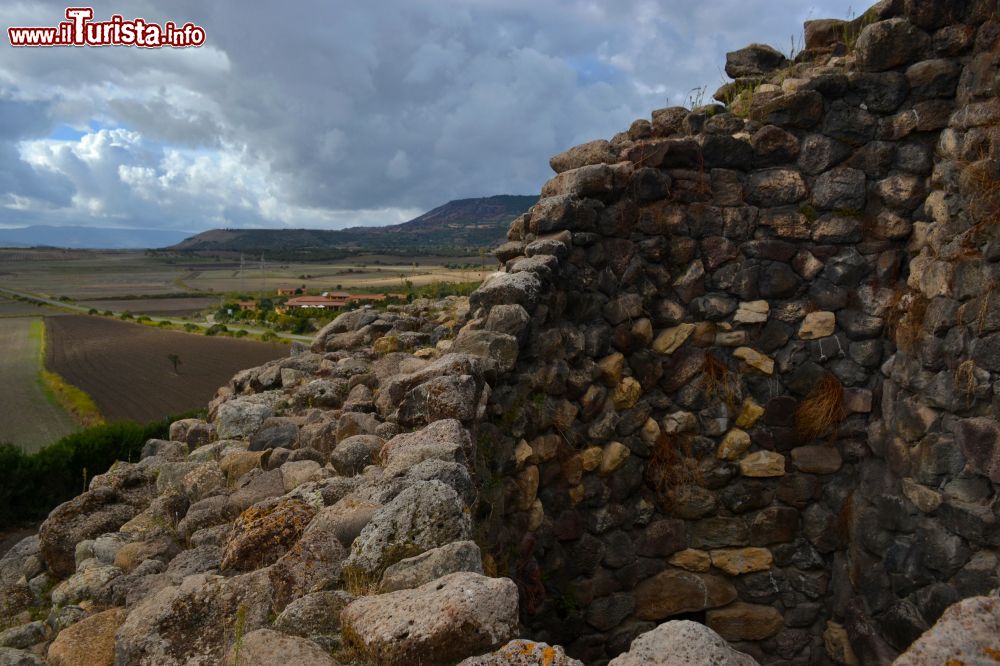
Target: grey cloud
[(311, 110)]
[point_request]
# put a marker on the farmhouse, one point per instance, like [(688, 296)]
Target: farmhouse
[(288, 291), (247, 305), (317, 302)]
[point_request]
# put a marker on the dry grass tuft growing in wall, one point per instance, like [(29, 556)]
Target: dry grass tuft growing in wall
[(905, 319), (718, 381), (671, 465), (822, 409)]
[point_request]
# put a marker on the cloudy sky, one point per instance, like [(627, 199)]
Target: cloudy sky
[(334, 114)]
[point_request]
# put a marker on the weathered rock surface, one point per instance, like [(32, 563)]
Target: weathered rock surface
[(524, 653), (90, 641), (436, 623), (968, 633), (431, 565), (681, 642), (265, 647), (194, 622), (426, 515)]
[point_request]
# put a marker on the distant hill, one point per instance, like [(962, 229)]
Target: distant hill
[(91, 238), (457, 227)]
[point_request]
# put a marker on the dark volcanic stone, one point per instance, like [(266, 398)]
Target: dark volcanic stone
[(888, 44), (881, 93), (754, 60), (661, 538), (778, 280), (778, 524), (852, 125)]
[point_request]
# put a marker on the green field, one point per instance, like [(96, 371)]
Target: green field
[(29, 418)]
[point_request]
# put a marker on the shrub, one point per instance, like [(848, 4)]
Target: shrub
[(31, 485), (92, 311)]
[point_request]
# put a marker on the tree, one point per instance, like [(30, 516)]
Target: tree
[(175, 361)]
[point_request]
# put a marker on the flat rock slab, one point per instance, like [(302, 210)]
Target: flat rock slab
[(457, 616)]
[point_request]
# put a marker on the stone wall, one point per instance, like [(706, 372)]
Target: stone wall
[(757, 354), (740, 368)]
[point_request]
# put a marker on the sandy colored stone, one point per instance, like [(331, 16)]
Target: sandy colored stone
[(752, 312), (522, 452), (838, 645), (691, 559), (734, 444), (590, 458), (745, 622), (670, 340), (613, 456), (650, 431), (763, 464), (627, 393), (755, 359), (612, 366), (817, 325), (89, 642), (750, 413), (738, 561)]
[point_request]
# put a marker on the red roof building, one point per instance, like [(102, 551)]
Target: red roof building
[(320, 302)]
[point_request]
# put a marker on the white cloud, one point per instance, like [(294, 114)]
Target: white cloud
[(323, 115)]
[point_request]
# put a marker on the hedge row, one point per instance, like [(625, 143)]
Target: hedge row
[(31, 485)]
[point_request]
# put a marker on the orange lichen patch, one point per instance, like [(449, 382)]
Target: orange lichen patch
[(992, 653), (955, 662), (263, 533), (548, 656), (822, 409)]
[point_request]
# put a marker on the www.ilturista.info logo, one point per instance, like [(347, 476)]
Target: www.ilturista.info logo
[(80, 30)]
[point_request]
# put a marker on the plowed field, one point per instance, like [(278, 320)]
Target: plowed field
[(126, 367)]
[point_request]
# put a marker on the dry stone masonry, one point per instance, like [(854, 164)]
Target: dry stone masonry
[(730, 399)]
